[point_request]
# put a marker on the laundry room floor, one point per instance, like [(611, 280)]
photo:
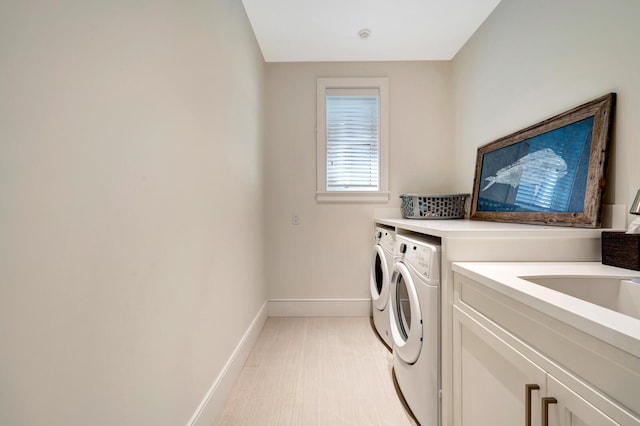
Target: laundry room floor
[(316, 371)]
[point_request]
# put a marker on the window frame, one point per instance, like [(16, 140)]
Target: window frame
[(382, 194)]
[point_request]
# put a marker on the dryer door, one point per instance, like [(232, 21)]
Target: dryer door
[(379, 278), (405, 314)]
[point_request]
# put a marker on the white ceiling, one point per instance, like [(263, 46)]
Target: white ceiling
[(401, 30)]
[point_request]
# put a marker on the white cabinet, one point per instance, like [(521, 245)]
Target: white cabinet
[(500, 379), (571, 409), (491, 378)]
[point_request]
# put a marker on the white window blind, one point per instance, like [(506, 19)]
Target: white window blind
[(353, 139)]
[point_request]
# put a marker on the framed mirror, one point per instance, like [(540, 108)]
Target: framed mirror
[(551, 173)]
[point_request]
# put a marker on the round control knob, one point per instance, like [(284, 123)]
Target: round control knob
[(403, 248), (378, 234)]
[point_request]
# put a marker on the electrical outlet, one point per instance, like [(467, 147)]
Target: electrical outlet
[(295, 219)]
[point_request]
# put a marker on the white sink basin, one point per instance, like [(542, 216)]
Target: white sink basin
[(599, 300), (615, 293)]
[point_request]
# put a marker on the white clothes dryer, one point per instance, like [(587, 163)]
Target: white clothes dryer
[(381, 266), (414, 312)]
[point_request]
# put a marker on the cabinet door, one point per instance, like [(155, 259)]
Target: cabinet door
[(572, 410), (490, 378)]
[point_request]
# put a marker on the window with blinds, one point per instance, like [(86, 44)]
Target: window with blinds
[(353, 139)]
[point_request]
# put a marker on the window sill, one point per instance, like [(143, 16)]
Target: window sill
[(352, 197)]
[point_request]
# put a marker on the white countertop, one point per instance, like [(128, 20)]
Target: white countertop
[(478, 228), (619, 330)]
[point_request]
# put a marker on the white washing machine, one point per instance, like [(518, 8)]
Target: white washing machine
[(381, 266), (414, 311)]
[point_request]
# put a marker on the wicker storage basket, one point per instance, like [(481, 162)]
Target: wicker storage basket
[(621, 249), (420, 206)]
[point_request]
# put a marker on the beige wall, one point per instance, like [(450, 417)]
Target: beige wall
[(328, 255), (131, 181), (131, 191), (531, 60)]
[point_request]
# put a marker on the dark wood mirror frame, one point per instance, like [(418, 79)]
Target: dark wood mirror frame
[(507, 157)]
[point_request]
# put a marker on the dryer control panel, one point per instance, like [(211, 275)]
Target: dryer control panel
[(421, 256), (386, 238)]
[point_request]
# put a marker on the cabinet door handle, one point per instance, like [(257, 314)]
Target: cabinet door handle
[(545, 409), (527, 398)]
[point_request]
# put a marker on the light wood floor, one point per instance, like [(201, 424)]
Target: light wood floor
[(316, 371)]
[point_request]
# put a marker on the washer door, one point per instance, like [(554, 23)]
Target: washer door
[(379, 278), (405, 315)]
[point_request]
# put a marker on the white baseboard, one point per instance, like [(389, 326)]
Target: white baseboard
[(319, 307), (213, 402)]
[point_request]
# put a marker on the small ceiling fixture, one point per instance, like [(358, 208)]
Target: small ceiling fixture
[(364, 33)]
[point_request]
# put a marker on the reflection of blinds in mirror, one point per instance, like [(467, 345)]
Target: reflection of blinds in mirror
[(353, 143), (553, 186)]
